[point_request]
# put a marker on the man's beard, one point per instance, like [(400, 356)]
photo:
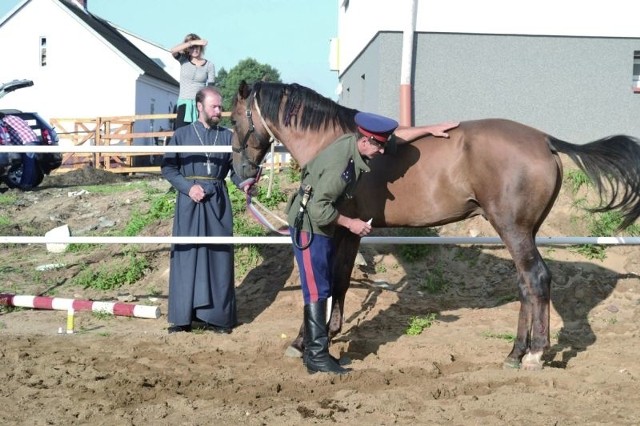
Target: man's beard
[(212, 121)]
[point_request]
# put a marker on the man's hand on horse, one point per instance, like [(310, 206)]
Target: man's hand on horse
[(407, 134), (440, 130)]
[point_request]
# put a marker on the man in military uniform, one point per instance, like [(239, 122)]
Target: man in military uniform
[(313, 217)]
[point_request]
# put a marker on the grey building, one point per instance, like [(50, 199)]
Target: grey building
[(577, 88)]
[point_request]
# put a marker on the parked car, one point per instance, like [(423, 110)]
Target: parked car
[(11, 167)]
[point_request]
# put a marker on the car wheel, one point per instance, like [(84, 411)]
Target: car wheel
[(14, 175)]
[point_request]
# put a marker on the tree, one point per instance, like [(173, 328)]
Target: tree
[(249, 70)]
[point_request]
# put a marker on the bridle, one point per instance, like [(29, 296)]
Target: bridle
[(242, 150)]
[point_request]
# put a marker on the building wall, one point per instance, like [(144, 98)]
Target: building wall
[(576, 88), (359, 21), (152, 98)]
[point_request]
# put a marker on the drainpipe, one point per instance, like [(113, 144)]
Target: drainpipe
[(406, 113)]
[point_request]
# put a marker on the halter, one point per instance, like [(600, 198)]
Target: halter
[(243, 143)]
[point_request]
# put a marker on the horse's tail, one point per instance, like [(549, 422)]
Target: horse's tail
[(613, 165)]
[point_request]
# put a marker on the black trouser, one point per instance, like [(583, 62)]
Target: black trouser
[(180, 117)]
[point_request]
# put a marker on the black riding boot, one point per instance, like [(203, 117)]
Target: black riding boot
[(316, 355)]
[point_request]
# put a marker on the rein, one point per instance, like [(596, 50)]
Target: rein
[(283, 230)]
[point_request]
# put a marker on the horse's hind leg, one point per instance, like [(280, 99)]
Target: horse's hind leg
[(534, 286)]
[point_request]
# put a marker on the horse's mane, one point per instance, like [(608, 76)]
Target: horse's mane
[(303, 107)]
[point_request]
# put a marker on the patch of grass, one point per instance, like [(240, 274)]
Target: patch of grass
[(434, 281), (5, 269), (81, 248), (102, 315), (162, 207), (111, 277), (605, 224), (380, 268), (418, 323), (590, 251), (276, 197), (245, 259), (4, 220), (509, 337), (8, 309), (576, 179), (8, 199)]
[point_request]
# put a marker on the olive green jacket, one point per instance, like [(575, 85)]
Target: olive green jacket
[(333, 175)]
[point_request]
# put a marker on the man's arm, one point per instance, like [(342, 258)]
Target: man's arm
[(405, 134)]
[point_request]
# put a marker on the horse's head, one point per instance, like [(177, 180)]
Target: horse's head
[(250, 142), (296, 116)]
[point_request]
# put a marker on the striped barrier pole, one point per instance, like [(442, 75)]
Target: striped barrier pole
[(57, 303)]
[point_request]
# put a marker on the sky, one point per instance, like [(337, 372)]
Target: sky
[(290, 35)]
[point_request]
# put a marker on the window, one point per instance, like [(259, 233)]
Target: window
[(636, 71), (43, 51)]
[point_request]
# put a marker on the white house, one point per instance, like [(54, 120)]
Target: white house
[(570, 67), (81, 65)]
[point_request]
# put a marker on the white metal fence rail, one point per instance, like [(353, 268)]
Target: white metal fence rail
[(254, 240)]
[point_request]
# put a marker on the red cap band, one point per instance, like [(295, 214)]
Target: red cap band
[(380, 138)]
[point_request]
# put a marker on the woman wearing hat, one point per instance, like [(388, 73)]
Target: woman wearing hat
[(313, 218)]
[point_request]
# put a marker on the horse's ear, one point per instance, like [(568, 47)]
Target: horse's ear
[(244, 90)]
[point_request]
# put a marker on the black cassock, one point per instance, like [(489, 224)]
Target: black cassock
[(201, 279)]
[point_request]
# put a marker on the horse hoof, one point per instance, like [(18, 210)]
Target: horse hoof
[(293, 352), (532, 362)]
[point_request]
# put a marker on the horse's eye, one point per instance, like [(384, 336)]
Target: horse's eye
[(233, 122)]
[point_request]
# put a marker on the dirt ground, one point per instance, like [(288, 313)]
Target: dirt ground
[(129, 371)]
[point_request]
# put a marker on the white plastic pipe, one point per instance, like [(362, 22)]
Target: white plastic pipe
[(287, 240)]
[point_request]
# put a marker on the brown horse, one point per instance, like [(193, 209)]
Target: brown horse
[(505, 171)]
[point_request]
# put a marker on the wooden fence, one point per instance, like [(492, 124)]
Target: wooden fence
[(110, 131)]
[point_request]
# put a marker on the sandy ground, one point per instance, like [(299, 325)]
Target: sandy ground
[(129, 371)]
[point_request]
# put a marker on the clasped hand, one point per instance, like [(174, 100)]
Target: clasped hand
[(196, 193)]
